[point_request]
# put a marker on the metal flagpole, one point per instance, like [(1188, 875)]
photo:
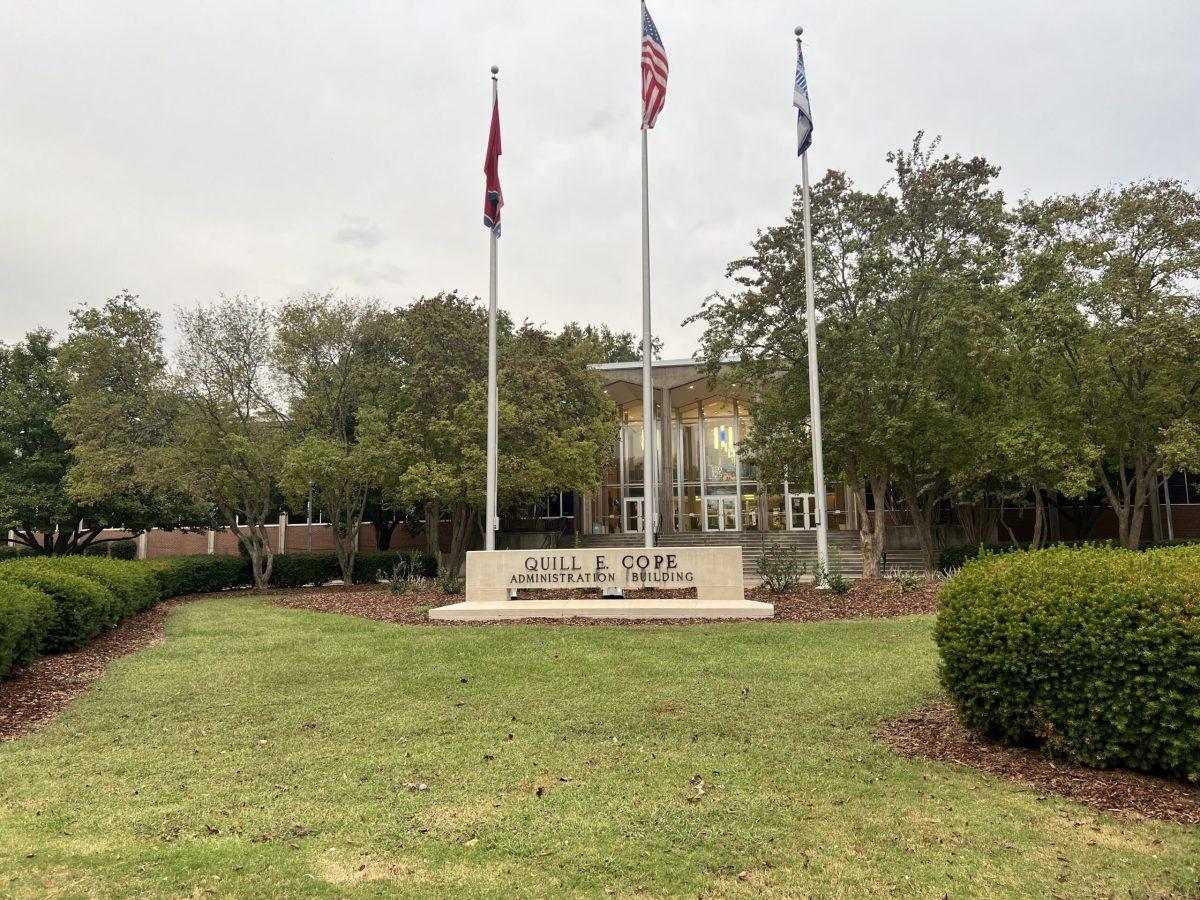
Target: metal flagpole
[(649, 511), (493, 394), (814, 381)]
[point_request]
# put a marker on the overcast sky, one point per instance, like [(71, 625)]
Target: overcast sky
[(182, 150)]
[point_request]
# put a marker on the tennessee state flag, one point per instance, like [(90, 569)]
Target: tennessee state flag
[(493, 198)]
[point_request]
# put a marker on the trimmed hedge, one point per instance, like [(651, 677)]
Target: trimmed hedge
[(955, 557), (292, 570), (205, 574), (952, 558), (1091, 653), (381, 564), (135, 585), (26, 615), (200, 574), (122, 549), (82, 607)]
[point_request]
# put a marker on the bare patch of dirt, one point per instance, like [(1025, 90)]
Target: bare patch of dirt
[(935, 733), (866, 599), (34, 696)]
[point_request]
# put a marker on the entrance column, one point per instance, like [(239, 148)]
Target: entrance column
[(666, 481)]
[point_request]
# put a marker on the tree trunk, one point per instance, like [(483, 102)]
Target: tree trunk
[(1130, 496), (258, 547), (977, 520), (345, 534), (385, 527), (922, 512), (343, 549), (872, 529), (1012, 537), (462, 522), (433, 525), (1039, 521), (1156, 528)]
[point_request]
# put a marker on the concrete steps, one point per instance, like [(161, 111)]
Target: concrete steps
[(843, 546)]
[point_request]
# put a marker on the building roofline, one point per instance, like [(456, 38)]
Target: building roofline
[(657, 364)]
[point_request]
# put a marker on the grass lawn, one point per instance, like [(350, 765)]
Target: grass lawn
[(269, 752)]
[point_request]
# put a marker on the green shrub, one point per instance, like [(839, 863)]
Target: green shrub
[(291, 570), (82, 607), (132, 582), (449, 583), (832, 578), (382, 565), (780, 570), (26, 615), (200, 574), (122, 549), (952, 558), (1092, 653), (204, 574), (907, 582), (8, 551)]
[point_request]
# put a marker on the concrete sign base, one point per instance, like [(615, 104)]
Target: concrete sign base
[(714, 572)]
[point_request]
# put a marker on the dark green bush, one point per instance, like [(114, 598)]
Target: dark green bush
[(131, 581), (952, 558), (1091, 653), (382, 565), (8, 551), (290, 570), (124, 549), (200, 574), (26, 615), (82, 607)]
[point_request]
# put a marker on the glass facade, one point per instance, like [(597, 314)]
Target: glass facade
[(711, 487)]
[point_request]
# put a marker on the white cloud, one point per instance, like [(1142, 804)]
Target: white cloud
[(181, 150)]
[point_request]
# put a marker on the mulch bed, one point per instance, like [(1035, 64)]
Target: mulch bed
[(935, 733), (867, 599), (34, 696)]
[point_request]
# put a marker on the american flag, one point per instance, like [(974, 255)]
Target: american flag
[(654, 71)]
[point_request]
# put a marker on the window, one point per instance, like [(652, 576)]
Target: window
[(1177, 487)]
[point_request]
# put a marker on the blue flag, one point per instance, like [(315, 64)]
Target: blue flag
[(804, 125)]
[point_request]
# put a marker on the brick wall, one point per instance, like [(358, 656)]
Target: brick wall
[(159, 543), (1186, 518)]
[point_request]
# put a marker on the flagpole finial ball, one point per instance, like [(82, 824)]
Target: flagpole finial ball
[(799, 30), (495, 70)]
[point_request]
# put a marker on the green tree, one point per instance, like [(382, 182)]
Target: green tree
[(230, 438), (34, 455), (429, 427), (331, 355), (901, 275), (121, 417), (1124, 311), (608, 346), (83, 431)]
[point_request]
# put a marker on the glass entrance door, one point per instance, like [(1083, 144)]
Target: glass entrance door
[(720, 514), (633, 517), (802, 512)]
